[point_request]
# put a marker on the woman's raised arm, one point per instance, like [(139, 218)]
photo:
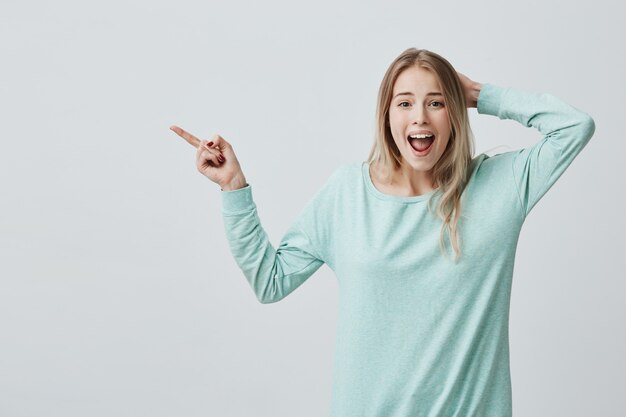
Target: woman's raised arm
[(566, 131)]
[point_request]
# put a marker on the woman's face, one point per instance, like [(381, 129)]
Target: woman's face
[(417, 104)]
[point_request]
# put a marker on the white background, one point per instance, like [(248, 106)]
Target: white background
[(118, 292)]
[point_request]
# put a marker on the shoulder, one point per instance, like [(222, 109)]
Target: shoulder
[(485, 164), (342, 180), (348, 169), (344, 173), (492, 172)]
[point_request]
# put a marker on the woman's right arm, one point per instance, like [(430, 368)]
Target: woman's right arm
[(272, 273)]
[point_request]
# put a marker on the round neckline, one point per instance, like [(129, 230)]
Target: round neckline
[(365, 169)]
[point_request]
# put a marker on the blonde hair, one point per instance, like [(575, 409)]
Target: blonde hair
[(451, 173)]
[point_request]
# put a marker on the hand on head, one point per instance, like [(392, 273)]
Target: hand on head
[(471, 89)]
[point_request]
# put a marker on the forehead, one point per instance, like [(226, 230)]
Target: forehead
[(417, 80)]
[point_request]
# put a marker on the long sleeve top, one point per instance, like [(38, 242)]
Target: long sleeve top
[(417, 334)]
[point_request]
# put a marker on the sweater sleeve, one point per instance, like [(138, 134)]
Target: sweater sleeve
[(565, 129), (272, 273)]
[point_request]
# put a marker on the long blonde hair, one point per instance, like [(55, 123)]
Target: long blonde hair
[(451, 173)]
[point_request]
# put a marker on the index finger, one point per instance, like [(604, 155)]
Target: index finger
[(191, 139)]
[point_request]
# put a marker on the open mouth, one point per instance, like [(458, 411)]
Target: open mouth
[(421, 145)]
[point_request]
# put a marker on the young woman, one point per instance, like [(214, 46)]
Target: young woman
[(420, 333)]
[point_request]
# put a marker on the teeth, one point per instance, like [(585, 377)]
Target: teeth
[(420, 136)]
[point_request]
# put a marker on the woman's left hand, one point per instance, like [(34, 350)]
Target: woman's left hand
[(471, 90)]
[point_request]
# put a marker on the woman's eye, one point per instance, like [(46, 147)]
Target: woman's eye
[(432, 102)]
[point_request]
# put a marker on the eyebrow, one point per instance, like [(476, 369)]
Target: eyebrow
[(408, 93)]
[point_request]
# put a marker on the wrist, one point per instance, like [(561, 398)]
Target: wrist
[(236, 183), (474, 93)]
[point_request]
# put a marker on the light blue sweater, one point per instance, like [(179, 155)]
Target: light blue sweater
[(417, 334)]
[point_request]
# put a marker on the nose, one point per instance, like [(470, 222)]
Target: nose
[(419, 115)]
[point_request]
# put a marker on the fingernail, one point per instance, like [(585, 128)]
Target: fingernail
[(210, 143)]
